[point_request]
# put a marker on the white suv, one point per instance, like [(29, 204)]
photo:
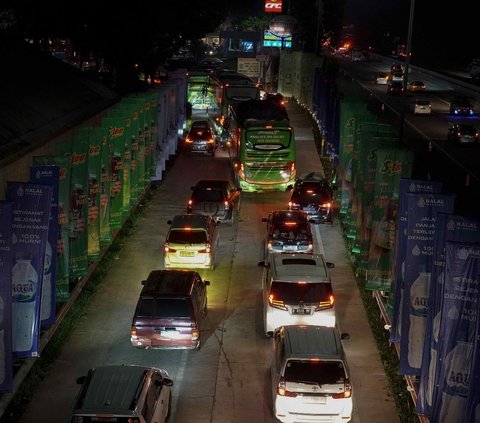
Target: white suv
[(297, 290)]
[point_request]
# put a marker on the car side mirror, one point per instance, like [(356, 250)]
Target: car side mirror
[(81, 380), (262, 264), (169, 222), (264, 219), (192, 187), (344, 335), (143, 282), (289, 186), (166, 381), (330, 265), (207, 283)]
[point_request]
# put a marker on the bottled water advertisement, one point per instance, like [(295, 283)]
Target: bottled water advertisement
[(422, 212), (30, 221), (458, 331), (6, 377)]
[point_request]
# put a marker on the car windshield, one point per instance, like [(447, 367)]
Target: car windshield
[(164, 307), (288, 233), (207, 195), (303, 292), (182, 236), (465, 129), (321, 372)]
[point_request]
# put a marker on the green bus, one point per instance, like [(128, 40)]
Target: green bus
[(263, 142)]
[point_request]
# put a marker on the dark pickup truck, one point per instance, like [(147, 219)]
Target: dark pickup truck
[(461, 106)]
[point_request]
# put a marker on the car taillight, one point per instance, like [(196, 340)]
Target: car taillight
[(326, 205), (274, 302), (188, 140), (347, 393), (169, 250), (226, 205), (327, 304), (205, 250), (133, 331), (190, 202), (210, 140), (195, 333), (282, 389)]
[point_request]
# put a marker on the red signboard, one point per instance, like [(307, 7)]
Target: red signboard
[(273, 6)]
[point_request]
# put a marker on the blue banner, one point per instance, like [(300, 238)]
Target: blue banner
[(421, 225), (406, 186), (31, 215), (49, 175), (449, 228), (458, 333), (6, 376)]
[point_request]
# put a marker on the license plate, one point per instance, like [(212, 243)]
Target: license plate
[(172, 334), (301, 311), (314, 400), (187, 253), (290, 248)]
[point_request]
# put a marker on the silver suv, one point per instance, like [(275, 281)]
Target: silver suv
[(297, 290)]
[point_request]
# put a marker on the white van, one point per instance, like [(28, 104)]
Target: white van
[(297, 290), (310, 376), (123, 394)]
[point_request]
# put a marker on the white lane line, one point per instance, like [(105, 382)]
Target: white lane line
[(318, 237)]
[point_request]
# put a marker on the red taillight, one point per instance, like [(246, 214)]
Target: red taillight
[(327, 304), (282, 389), (188, 140), (327, 205), (190, 202), (345, 394), (290, 223), (133, 331), (195, 333), (210, 140), (169, 250), (274, 302), (226, 205), (205, 250)]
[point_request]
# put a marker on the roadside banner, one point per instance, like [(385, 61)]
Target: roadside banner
[(450, 228), (62, 265), (31, 215), (391, 165), (421, 226), (49, 175), (458, 333), (406, 186), (6, 256), (106, 236)]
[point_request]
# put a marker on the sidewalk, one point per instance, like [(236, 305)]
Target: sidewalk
[(373, 401)]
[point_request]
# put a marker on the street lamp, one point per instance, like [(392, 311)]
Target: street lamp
[(407, 65)]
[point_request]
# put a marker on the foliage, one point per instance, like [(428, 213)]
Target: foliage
[(255, 23)]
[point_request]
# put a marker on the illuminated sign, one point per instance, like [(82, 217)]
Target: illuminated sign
[(270, 39), (273, 6)]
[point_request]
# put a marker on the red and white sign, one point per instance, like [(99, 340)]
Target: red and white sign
[(273, 6)]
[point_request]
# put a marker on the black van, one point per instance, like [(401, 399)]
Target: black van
[(170, 310)]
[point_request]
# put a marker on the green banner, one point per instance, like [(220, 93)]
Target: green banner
[(63, 268), (106, 237), (94, 161), (392, 165)]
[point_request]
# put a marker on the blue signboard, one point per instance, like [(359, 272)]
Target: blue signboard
[(31, 216)]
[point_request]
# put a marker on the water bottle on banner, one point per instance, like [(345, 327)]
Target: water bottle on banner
[(418, 315), (24, 289)]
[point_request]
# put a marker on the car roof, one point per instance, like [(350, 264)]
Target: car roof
[(279, 216), (295, 267), (212, 183), (200, 124), (171, 282), (305, 341), (111, 389)]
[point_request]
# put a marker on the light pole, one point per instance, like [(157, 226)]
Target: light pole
[(407, 65)]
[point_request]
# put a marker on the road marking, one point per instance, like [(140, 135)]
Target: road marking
[(319, 239)]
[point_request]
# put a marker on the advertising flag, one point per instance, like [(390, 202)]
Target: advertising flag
[(6, 256), (422, 212), (48, 175), (31, 215), (450, 228), (458, 332), (406, 186)]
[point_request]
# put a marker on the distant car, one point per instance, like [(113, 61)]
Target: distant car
[(275, 97), (417, 86), (200, 138), (461, 106), (218, 198), (314, 195), (381, 78), (421, 107), (463, 133), (288, 231), (395, 76), (395, 88), (396, 67)]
